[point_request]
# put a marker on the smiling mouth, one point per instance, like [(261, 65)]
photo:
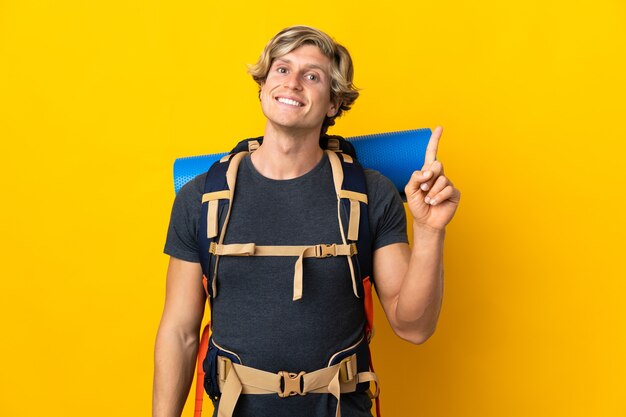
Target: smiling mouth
[(289, 102)]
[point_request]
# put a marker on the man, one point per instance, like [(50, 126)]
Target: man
[(285, 196)]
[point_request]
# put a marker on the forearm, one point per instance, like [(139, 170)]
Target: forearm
[(419, 300), (174, 362)]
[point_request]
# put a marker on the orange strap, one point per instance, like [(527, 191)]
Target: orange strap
[(202, 351), (378, 388), (369, 326), (369, 308)]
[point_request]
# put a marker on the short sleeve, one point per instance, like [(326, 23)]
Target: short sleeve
[(386, 211), (181, 241)]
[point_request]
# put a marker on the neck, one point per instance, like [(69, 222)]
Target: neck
[(287, 154)]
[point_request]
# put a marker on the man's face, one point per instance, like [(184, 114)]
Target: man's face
[(296, 93)]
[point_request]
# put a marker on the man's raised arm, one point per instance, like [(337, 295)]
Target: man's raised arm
[(409, 281)]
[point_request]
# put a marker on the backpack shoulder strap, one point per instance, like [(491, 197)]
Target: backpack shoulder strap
[(350, 187), (352, 201), (219, 191)]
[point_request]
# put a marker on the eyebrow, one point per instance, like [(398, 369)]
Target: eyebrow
[(313, 66)]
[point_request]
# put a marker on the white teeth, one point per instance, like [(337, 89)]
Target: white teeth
[(289, 101)]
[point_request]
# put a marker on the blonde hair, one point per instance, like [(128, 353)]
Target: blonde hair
[(342, 90)]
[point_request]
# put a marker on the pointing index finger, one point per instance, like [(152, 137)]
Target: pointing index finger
[(433, 144)]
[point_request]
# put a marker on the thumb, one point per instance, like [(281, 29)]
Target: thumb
[(417, 179)]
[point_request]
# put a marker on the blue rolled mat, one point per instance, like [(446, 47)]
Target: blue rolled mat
[(394, 154)]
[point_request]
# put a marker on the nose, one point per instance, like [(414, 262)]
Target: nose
[(292, 81)]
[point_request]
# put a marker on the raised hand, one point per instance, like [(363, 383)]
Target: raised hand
[(431, 197)]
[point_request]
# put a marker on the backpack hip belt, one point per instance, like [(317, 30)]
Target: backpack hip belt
[(235, 379)]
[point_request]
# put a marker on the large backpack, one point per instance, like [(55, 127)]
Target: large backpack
[(356, 246)]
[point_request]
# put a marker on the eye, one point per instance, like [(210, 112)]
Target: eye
[(312, 77), (281, 70)]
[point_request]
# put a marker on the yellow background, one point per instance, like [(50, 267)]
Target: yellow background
[(99, 98)]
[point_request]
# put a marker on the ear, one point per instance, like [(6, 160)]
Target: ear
[(333, 109)]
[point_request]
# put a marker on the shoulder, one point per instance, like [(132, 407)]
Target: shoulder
[(182, 232), (192, 191), (188, 202), (386, 210), (378, 185)]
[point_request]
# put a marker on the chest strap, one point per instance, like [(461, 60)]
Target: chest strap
[(235, 379), (314, 251)]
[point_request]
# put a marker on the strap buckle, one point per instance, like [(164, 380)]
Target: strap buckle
[(253, 145), (223, 367), (333, 145), (291, 384), (212, 248), (325, 250), (347, 369)]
